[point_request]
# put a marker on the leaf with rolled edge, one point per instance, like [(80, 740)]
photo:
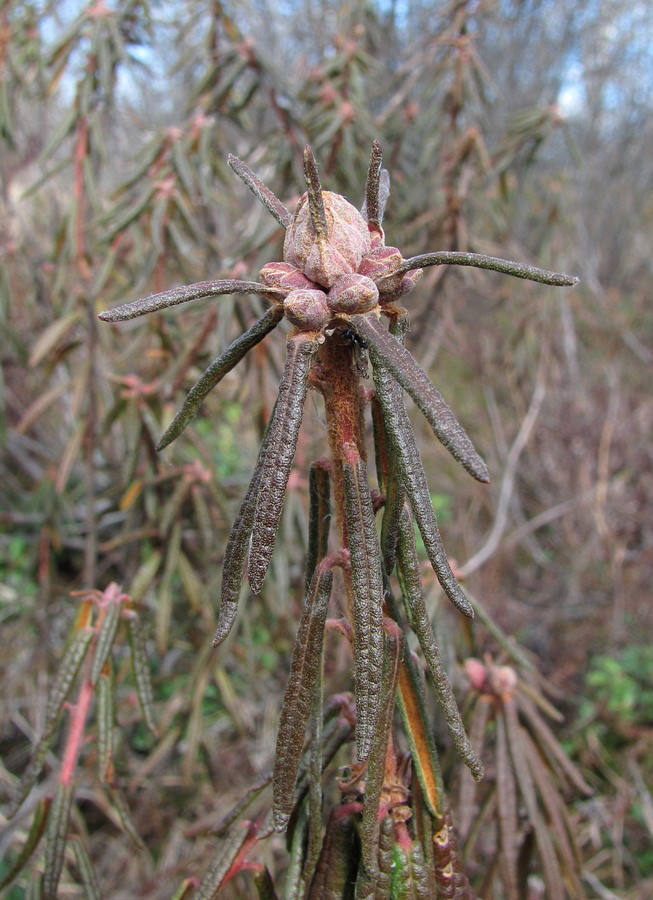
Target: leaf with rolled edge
[(506, 799), (319, 517), (32, 841), (277, 460), (141, 667), (550, 868), (336, 867), (409, 463), (264, 194), (375, 775), (419, 620), (68, 668), (493, 263), (296, 708), (234, 845), (373, 206), (107, 629), (217, 370), (57, 834), (86, 869), (186, 293), (401, 363), (105, 724), (409, 879), (367, 586), (235, 552), (315, 200)]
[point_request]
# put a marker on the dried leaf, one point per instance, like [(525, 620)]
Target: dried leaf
[(506, 812)]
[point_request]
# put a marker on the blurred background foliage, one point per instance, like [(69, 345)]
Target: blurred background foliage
[(520, 129)]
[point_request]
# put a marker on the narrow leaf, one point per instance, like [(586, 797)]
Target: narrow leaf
[(336, 868), (264, 194), (31, 842), (222, 863), (184, 294), (141, 667), (479, 261), (86, 869), (57, 835), (506, 812), (409, 463), (315, 200), (66, 674), (238, 544), (107, 631), (279, 455), (319, 517), (119, 803), (217, 370), (105, 722), (375, 775), (371, 208), (414, 599), (415, 382), (296, 708), (48, 340), (367, 585)]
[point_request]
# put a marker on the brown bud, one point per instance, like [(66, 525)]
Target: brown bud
[(379, 261), (285, 276), (353, 294), (307, 310), (339, 253)]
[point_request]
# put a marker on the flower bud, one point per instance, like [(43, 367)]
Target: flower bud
[(379, 261), (347, 240), (389, 294), (307, 310), (353, 294), (285, 276)]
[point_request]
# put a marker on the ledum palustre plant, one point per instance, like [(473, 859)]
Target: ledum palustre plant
[(342, 289)]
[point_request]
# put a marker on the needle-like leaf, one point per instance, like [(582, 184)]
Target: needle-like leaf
[(57, 833), (479, 261), (296, 708), (280, 452), (217, 370), (264, 194), (367, 586), (408, 460), (414, 380), (414, 598), (184, 294)]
